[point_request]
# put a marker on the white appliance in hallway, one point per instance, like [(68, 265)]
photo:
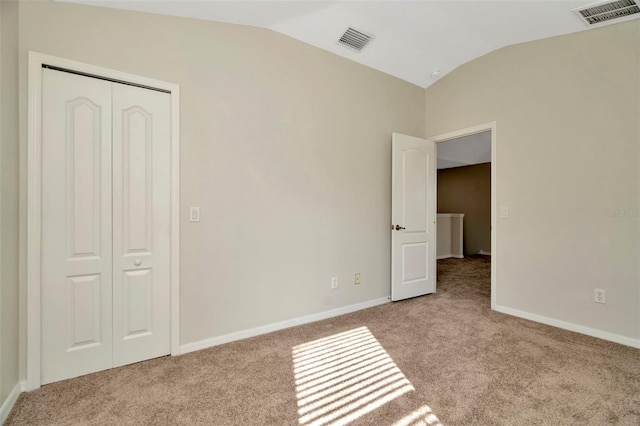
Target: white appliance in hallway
[(450, 235)]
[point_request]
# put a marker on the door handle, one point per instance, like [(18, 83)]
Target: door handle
[(137, 262), (398, 227)]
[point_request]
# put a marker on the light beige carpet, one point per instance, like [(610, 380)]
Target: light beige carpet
[(443, 358)]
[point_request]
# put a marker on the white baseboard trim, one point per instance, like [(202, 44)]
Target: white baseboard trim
[(616, 338), (244, 334), (484, 253), (7, 404)]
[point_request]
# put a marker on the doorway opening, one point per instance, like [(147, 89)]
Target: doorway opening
[(466, 206)]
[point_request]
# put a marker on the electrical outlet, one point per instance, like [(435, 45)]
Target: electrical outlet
[(504, 211), (599, 295), (334, 282), (356, 279)]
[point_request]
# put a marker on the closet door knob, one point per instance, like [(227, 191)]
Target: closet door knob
[(137, 262)]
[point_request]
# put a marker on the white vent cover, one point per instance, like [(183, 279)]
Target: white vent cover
[(609, 12), (355, 39)]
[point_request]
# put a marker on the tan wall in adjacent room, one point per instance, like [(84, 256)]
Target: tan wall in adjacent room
[(468, 190)]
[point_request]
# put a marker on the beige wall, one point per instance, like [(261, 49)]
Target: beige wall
[(567, 112), (9, 197), (468, 190), (285, 147)]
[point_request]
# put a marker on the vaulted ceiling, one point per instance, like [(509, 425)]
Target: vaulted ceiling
[(412, 39)]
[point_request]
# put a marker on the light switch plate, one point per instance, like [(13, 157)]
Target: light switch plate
[(194, 214)]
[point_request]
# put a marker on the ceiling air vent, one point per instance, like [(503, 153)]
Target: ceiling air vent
[(609, 12), (355, 39)]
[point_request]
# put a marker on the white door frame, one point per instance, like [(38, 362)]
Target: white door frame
[(34, 192), (494, 199)]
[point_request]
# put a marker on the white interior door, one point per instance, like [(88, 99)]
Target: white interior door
[(141, 224), (106, 249), (413, 217), (76, 226)]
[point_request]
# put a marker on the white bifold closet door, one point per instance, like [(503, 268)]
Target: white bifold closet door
[(105, 224)]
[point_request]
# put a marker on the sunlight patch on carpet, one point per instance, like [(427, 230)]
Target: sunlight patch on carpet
[(423, 416), (343, 377)]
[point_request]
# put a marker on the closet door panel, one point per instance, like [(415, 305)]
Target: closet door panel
[(141, 235), (76, 226)]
